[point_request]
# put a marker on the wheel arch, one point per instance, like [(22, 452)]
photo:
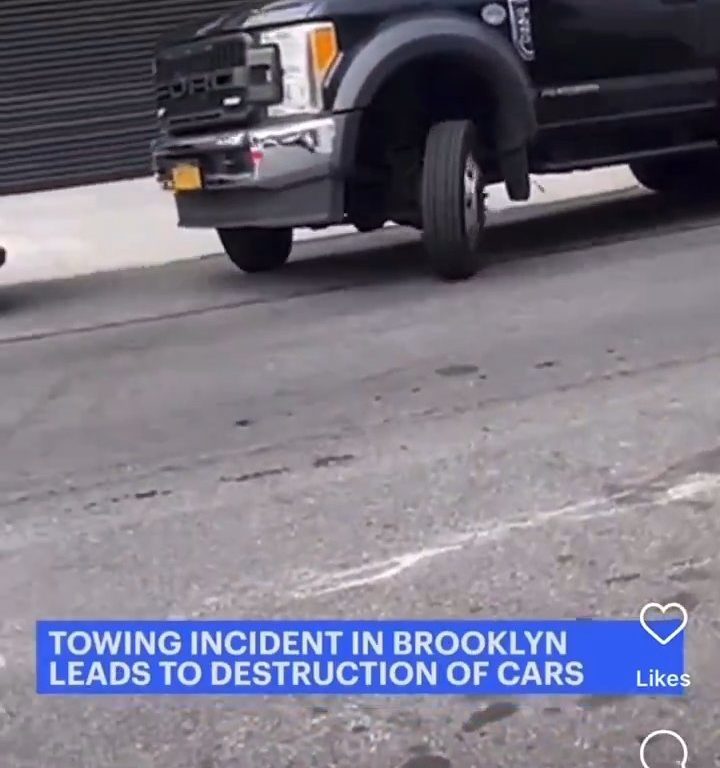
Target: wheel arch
[(400, 43)]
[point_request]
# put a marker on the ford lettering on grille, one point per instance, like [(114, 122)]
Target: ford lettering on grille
[(197, 84)]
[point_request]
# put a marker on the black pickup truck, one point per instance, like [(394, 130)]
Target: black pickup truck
[(319, 112)]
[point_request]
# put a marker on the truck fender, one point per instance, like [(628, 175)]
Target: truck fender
[(401, 41)]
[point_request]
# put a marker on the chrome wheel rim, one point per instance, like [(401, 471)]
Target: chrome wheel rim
[(472, 199)]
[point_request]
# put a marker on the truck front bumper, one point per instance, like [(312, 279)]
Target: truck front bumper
[(289, 174)]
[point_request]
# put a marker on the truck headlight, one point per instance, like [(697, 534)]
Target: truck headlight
[(307, 54)]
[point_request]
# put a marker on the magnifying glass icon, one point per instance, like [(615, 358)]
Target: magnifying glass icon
[(657, 734)]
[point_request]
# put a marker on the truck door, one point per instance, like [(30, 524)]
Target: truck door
[(615, 56)]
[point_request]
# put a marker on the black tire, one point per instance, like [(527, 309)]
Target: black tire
[(257, 250), (452, 227), (688, 175), (369, 223)]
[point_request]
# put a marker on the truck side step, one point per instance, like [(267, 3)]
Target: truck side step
[(553, 166)]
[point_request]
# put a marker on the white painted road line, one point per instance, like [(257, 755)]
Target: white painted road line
[(591, 509)]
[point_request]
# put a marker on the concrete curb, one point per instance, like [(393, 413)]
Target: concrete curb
[(67, 233)]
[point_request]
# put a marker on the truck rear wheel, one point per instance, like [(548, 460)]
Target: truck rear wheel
[(453, 200), (696, 174), (257, 250)]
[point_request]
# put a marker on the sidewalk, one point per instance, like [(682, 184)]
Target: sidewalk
[(66, 233)]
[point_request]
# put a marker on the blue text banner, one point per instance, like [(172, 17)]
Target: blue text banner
[(588, 657)]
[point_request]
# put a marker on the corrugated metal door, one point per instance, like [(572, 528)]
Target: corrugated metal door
[(76, 89)]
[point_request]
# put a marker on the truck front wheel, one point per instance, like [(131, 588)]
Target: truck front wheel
[(257, 250), (453, 200)]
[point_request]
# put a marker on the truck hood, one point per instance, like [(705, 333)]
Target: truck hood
[(250, 14), (262, 14), (247, 14)]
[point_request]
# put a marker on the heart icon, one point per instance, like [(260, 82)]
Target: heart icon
[(664, 609)]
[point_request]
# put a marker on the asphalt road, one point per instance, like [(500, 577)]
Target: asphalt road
[(350, 438)]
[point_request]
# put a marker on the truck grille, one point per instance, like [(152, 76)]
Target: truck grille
[(212, 83), (201, 58)]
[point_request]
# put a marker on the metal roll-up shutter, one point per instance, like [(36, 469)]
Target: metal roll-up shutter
[(76, 90)]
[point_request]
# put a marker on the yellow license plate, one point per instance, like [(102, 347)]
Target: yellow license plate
[(186, 178)]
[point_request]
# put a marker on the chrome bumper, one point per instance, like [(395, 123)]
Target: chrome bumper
[(284, 175), (268, 157)]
